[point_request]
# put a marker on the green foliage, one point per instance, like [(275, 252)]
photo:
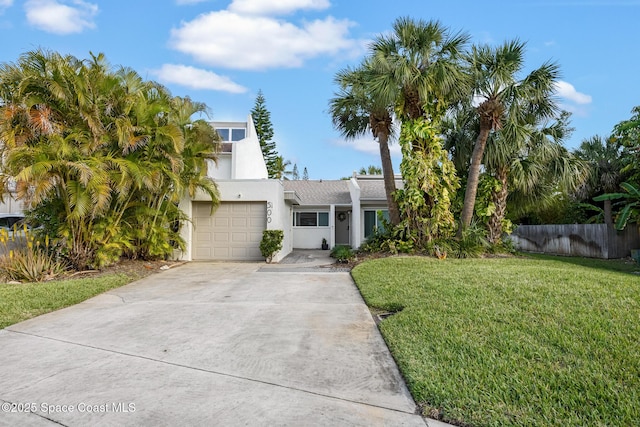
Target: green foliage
[(472, 244), (370, 170), (631, 208), (429, 183), (264, 130), (485, 207), (100, 157), (342, 253), (271, 243), (28, 259)]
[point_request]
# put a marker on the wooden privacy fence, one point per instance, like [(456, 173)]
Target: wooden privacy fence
[(587, 240)]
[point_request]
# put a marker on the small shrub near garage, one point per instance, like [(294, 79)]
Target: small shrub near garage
[(271, 243)]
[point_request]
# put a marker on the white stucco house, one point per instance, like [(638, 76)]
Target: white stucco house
[(344, 212)]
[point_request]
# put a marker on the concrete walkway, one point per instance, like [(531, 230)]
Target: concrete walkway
[(207, 344)]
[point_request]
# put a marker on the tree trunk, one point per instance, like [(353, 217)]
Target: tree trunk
[(608, 216), (389, 178), (474, 176), (499, 199)]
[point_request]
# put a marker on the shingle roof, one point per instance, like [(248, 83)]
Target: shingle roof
[(373, 189), (325, 192)]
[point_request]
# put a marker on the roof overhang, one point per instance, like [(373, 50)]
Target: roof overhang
[(291, 197)]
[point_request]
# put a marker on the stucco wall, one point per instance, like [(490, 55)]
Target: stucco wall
[(10, 205), (269, 191), (221, 169), (247, 159), (311, 237)]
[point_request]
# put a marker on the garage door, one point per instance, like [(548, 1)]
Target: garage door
[(232, 233)]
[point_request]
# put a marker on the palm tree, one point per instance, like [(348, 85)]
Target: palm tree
[(534, 168), (605, 160), (417, 68), (355, 110), (417, 71), (505, 103), (280, 170)]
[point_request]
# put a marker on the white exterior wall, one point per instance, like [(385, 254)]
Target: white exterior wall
[(11, 205), (269, 191), (357, 216), (221, 169), (247, 161), (311, 237)]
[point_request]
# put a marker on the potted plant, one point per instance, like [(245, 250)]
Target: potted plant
[(325, 245)]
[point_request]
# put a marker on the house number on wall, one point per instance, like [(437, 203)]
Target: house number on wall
[(269, 207)]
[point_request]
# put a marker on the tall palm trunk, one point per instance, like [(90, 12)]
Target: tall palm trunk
[(608, 215), (499, 199), (474, 175), (389, 178), (380, 127)]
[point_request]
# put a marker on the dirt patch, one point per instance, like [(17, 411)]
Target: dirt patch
[(136, 269)]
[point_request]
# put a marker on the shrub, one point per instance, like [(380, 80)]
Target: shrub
[(26, 259), (342, 253), (472, 244), (271, 243)]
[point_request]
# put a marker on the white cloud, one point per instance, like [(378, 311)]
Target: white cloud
[(368, 145), (5, 3), (270, 7), (196, 78), (568, 91), (227, 39), (61, 18)]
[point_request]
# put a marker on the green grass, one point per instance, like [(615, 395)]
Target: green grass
[(23, 301), (537, 341)]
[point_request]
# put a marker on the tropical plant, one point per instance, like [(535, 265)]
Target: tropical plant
[(101, 156), (417, 71), (627, 134), (530, 171), (271, 243), (631, 208), (280, 168), (357, 109), (605, 160), (505, 103), (26, 258)]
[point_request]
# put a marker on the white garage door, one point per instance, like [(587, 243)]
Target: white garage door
[(232, 233)]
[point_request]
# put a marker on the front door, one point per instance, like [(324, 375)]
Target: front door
[(342, 221)]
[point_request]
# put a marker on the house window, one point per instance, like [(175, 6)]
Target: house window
[(311, 219), (238, 134), (373, 221), (231, 134)]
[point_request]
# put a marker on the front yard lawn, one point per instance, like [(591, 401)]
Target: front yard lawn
[(20, 302), (535, 341)]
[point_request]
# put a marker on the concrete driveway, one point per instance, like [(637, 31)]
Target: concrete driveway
[(207, 344)]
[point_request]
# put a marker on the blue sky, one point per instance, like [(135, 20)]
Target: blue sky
[(222, 52)]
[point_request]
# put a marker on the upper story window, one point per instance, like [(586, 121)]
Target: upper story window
[(231, 134)]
